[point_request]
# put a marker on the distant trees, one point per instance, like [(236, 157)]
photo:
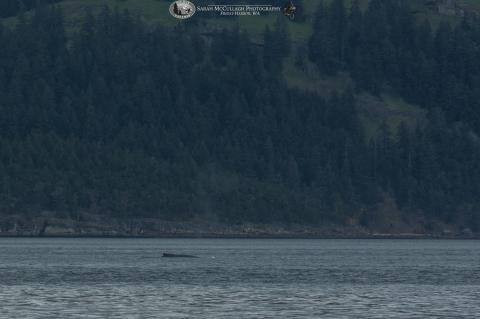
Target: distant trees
[(123, 120), (277, 45), (386, 47)]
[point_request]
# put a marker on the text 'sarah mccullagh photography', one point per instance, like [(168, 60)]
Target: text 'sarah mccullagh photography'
[(183, 9)]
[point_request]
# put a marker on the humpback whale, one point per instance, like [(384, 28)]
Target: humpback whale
[(168, 255)]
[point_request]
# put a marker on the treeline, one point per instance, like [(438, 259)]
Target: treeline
[(125, 120), (387, 48), (129, 120)]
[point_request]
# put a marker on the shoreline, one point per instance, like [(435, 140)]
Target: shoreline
[(152, 228), (247, 236)]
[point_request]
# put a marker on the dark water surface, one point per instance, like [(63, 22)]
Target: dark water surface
[(246, 278)]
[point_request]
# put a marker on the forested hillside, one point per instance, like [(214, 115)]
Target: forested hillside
[(123, 119)]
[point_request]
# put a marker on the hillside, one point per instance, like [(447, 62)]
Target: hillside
[(156, 11), (375, 111), (339, 129)]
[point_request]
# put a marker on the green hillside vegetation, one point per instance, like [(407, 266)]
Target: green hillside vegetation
[(352, 117), (156, 11), (374, 110)]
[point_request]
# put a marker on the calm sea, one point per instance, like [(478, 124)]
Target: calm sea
[(247, 278)]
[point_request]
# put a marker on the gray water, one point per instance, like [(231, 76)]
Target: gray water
[(127, 278)]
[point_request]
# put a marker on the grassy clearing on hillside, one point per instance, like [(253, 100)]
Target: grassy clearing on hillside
[(387, 108), (74, 10), (156, 11), (373, 110)]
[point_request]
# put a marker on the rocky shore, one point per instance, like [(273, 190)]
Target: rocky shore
[(57, 227)]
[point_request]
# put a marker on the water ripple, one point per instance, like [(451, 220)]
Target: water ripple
[(119, 278)]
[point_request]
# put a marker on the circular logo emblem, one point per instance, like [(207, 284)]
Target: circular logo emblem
[(182, 9)]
